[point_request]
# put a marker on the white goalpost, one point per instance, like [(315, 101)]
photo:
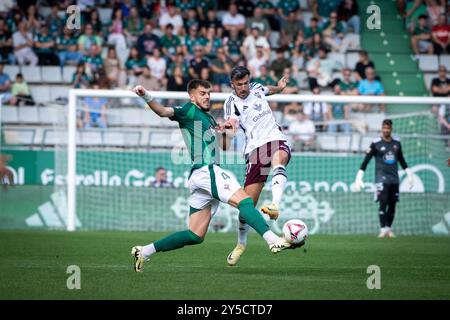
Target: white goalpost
[(100, 176)]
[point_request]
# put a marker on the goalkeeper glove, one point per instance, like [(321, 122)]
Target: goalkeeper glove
[(410, 178), (359, 183)]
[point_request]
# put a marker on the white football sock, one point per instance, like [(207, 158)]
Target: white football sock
[(242, 233), (148, 250), (279, 179), (270, 237)]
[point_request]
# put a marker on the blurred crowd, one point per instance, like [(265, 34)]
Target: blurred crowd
[(163, 44)]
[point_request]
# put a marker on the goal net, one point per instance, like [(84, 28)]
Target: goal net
[(112, 154)]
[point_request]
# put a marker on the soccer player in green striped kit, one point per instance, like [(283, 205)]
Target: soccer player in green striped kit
[(208, 183)]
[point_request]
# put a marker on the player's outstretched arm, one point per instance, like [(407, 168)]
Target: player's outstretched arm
[(159, 109), (282, 83)]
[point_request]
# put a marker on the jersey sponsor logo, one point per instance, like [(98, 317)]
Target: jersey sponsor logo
[(261, 115), (389, 158), (258, 106), (257, 95)]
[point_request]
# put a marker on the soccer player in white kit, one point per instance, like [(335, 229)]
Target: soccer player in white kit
[(266, 146)]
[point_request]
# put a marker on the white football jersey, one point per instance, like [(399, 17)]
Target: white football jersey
[(254, 117)]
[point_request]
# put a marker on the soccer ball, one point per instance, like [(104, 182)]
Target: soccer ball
[(295, 231)]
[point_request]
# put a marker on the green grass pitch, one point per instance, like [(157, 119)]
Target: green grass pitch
[(34, 264)]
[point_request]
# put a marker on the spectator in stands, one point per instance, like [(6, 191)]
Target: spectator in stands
[(440, 87), (211, 20), (172, 17), (269, 12), (133, 26), (233, 44), (421, 36), (322, 9), (292, 84), (221, 67), (94, 20), (285, 7), (290, 28), (114, 70), (177, 81), (180, 62), (414, 8), (80, 79), (333, 34), (440, 35), (191, 40), (87, 39), (148, 81), (6, 7), (256, 62), (371, 87), (116, 35), (246, 8), (347, 13), (279, 64), (6, 43), (434, 10), (214, 42), (206, 75), (233, 19), (204, 7), (147, 41), (258, 21), (341, 112), (302, 132), (312, 30), (45, 45), (21, 91), (161, 179), (54, 22), (135, 63), (5, 88), (146, 10), (317, 111), (68, 48), (363, 63), (33, 19), (198, 63), (157, 65), (320, 69), (190, 20), (346, 85), (170, 44), (23, 43), (94, 110), (264, 78), (125, 6), (93, 61)]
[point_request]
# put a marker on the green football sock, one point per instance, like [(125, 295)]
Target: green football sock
[(251, 216), (177, 240)]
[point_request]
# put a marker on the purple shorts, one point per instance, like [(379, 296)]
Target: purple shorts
[(259, 161)]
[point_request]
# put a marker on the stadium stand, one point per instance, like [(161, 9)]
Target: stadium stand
[(400, 71)]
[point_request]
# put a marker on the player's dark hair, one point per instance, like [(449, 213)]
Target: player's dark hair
[(387, 122), (160, 168), (195, 83), (239, 72)]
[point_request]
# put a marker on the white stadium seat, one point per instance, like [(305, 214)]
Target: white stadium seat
[(428, 62), (32, 74), (28, 115), (10, 114), (51, 74)]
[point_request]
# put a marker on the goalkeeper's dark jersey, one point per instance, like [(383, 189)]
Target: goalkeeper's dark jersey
[(387, 155)]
